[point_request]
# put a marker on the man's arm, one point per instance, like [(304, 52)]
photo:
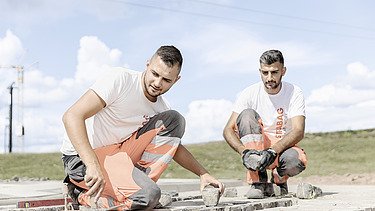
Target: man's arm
[(184, 158), (231, 136), (74, 121), (293, 137)]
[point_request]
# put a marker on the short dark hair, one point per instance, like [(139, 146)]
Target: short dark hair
[(170, 55), (271, 56)]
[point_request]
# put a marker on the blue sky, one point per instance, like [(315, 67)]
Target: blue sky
[(63, 46)]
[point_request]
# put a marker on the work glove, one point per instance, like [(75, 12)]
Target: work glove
[(250, 159), (267, 157)]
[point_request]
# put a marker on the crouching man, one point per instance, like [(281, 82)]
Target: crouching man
[(116, 160), (267, 122)]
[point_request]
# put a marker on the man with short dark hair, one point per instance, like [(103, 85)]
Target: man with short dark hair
[(267, 122), (133, 138)]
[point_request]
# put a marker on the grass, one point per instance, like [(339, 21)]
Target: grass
[(31, 165), (328, 153)]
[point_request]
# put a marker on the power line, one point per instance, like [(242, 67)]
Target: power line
[(241, 20), (284, 16)]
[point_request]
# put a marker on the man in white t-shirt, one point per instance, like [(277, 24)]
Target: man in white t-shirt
[(267, 122), (121, 136)]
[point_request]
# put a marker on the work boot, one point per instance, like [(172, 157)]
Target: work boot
[(281, 186), (281, 189), (256, 191), (73, 192), (269, 190)]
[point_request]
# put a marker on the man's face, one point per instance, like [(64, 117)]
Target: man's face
[(158, 78), (271, 76)]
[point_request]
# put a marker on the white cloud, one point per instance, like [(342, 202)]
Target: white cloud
[(206, 119), (339, 95), (93, 57), (323, 119), (46, 98), (11, 49), (347, 103), (359, 76)]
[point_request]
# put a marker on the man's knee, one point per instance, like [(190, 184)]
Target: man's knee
[(294, 167), (247, 114), (74, 167), (174, 123), (146, 198), (247, 122), (153, 195), (290, 164)]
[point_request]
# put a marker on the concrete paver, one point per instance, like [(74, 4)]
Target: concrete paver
[(335, 197)]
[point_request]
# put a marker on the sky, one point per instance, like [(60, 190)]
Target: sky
[(63, 46)]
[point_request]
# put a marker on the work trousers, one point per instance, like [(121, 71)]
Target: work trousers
[(288, 163), (132, 167)]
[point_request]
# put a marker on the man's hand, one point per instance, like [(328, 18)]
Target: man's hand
[(250, 159), (95, 181), (207, 179), (268, 156)]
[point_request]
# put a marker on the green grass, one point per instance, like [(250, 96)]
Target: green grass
[(328, 153), (31, 165), (339, 152)]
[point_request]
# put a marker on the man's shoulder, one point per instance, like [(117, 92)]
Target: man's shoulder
[(124, 70), (292, 87), (121, 74), (250, 92)]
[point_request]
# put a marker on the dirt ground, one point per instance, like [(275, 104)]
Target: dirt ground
[(347, 179)]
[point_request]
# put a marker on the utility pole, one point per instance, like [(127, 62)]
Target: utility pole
[(20, 131), (11, 117)]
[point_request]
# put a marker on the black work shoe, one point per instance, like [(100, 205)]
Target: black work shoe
[(281, 189), (269, 190), (73, 192), (256, 191)]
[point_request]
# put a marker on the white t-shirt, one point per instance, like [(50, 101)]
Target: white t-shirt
[(274, 110), (127, 109)]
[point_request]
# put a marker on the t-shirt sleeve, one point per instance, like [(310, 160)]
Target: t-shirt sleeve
[(297, 104), (241, 102), (107, 86)]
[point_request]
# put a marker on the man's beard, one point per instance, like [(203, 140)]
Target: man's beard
[(272, 85)]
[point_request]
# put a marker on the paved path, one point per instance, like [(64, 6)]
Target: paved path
[(335, 197)]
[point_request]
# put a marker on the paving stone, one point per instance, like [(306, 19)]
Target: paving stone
[(308, 191), (230, 192), (165, 200), (210, 196), (233, 205), (50, 208)]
